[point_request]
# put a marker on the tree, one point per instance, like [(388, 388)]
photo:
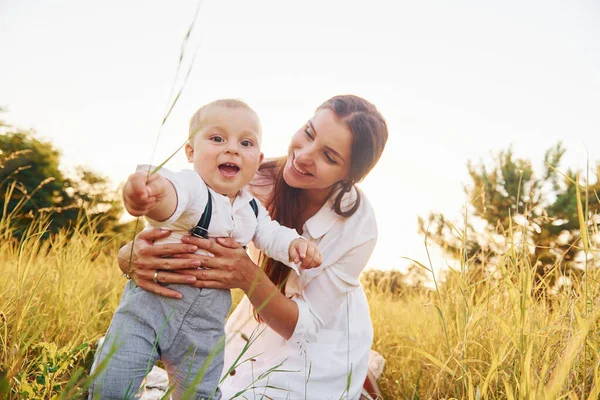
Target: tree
[(510, 205), (33, 185)]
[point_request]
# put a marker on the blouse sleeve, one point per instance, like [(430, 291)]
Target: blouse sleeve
[(323, 296)]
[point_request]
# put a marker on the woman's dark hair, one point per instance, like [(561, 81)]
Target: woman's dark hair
[(369, 135)]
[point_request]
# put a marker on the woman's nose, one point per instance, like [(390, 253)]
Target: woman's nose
[(305, 155)]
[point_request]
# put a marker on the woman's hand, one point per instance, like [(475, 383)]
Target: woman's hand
[(232, 268), (229, 268), (148, 258)]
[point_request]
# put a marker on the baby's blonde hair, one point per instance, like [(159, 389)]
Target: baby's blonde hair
[(226, 103)]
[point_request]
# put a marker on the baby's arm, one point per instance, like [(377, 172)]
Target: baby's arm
[(283, 244), (153, 196)]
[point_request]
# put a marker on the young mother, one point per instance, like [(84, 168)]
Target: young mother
[(315, 326)]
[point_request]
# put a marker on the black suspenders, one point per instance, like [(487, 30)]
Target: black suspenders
[(201, 228), (254, 207)]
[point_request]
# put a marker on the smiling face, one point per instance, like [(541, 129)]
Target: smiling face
[(319, 154), (225, 149)]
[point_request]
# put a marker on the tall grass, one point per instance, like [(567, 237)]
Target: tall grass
[(56, 299), (504, 334), (502, 341), (496, 336)]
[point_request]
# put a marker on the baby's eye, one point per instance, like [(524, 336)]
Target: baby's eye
[(246, 143), (217, 139)]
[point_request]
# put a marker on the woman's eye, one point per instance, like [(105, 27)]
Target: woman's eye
[(217, 139), (246, 143), (329, 159), (307, 131)]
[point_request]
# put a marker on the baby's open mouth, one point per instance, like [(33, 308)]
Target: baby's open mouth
[(229, 169)]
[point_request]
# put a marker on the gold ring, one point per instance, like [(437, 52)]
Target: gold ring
[(155, 279)]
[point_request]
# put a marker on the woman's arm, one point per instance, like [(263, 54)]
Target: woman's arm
[(232, 268), (301, 317), (276, 310), (141, 259), (324, 296)]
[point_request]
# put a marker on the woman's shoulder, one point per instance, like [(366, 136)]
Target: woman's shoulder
[(359, 226), (261, 186), (364, 212)]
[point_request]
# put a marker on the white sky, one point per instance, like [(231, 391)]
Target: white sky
[(455, 82)]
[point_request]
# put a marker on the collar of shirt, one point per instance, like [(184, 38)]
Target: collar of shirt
[(242, 198), (320, 223)]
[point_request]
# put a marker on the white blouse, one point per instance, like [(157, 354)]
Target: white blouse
[(328, 353)]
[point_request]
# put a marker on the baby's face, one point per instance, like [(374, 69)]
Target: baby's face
[(225, 150)]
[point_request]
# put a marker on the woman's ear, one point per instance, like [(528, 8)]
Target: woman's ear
[(189, 152)]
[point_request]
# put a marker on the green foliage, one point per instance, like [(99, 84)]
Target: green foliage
[(34, 185), (55, 369), (508, 196)]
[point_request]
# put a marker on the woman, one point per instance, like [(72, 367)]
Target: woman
[(314, 328)]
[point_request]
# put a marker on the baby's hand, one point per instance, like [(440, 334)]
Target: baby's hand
[(142, 193), (305, 251)]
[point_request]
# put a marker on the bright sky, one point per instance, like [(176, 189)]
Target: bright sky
[(455, 81)]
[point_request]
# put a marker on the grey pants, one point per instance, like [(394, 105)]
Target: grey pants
[(181, 333)]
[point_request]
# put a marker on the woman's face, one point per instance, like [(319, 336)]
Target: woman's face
[(320, 153)]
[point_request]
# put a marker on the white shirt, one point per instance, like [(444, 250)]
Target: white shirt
[(333, 335), (236, 220)]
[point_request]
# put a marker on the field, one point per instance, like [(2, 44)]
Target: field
[(479, 336)]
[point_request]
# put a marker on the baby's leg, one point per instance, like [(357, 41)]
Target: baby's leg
[(128, 352), (195, 360)]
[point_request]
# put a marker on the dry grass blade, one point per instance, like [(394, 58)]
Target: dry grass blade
[(582, 219)]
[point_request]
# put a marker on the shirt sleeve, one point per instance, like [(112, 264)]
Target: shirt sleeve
[(274, 239), (323, 296), (189, 188)]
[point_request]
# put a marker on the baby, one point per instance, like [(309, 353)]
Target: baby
[(209, 201)]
